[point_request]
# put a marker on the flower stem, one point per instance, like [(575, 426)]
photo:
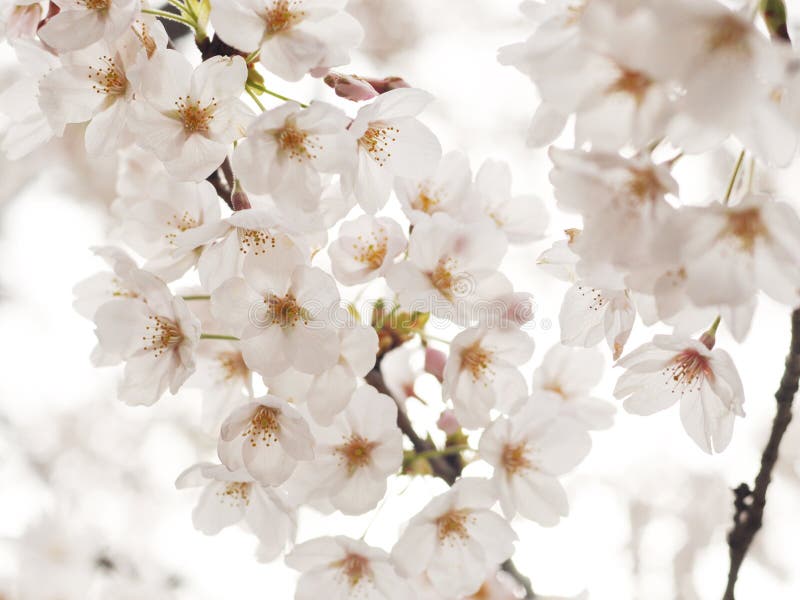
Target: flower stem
[(196, 297), (713, 329), (253, 56), (215, 336), (170, 16), (449, 450), (734, 175), (260, 88), (187, 10), (432, 338), (252, 94)]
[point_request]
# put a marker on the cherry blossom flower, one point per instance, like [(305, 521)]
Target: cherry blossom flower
[(570, 374), (340, 568), (266, 438), (730, 252), (81, 23), (365, 248), (188, 117), (399, 372), (356, 454), (155, 335), (455, 539), (294, 36), (97, 84), (447, 190), (612, 192), (280, 309), (287, 148), (591, 314), (482, 371), (521, 218), (706, 382), (529, 450), (450, 266), (392, 142), (229, 498), (161, 216)]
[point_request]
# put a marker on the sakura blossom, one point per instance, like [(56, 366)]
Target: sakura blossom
[(342, 567), (287, 148), (356, 454), (481, 373), (391, 143), (266, 438), (229, 498), (188, 117), (455, 539), (366, 248), (529, 450), (704, 379), (156, 335), (81, 23), (293, 37)]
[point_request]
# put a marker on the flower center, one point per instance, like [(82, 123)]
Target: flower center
[(477, 360), (633, 83), (283, 15), (284, 311), (181, 223), (160, 335), (597, 301), (729, 33), (372, 251), (108, 78), (443, 278), (643, 185), (745, 227), (355, 568), (687, 371), (425, 201), (233, 366), (453, 524), (514, 458), (255, 241), (356, 452), (377, 140), (297, 143), (264, 426), (196, 118), (236, 493), (95, 4)]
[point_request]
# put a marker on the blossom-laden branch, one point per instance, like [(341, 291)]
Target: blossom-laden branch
[(749, 503), (440, 466)]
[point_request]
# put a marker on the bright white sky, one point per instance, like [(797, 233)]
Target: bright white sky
[(645, 467)]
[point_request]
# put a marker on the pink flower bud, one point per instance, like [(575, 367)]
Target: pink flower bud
[(448, 423), (23, 21), (434, 362), (387, 84), (351, 87)]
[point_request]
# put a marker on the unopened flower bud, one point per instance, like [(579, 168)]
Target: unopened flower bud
[(434, 362), (239, 199), (387, 84), (351, 87), (448, 422)]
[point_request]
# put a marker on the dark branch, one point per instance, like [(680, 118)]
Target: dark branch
[(749, 504)]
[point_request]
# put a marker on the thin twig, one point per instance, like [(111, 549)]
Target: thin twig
[(749, 504)]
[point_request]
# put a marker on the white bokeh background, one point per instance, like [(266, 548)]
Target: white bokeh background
[(649, 511)]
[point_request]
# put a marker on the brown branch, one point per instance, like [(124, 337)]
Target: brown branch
[(749, 504), (440, 466)]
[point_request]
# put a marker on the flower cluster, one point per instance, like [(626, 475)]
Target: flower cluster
[(646, 84), (250, 224)]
